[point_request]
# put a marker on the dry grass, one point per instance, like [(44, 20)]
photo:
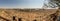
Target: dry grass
[(27, 15)]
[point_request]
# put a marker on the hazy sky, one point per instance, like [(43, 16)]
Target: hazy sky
[(23, 3)]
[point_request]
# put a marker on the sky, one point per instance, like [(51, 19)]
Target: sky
[(22, 3)]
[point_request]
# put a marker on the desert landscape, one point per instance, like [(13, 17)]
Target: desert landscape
[(28, 15)]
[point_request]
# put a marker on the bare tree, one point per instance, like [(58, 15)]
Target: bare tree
[(52, 4), (55, 3)]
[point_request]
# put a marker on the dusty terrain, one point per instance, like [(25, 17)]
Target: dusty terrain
[(27, 15)]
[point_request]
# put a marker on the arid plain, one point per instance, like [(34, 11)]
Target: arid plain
[(27, 14)]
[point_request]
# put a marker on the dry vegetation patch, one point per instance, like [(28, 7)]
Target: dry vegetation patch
[(27, 15)]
